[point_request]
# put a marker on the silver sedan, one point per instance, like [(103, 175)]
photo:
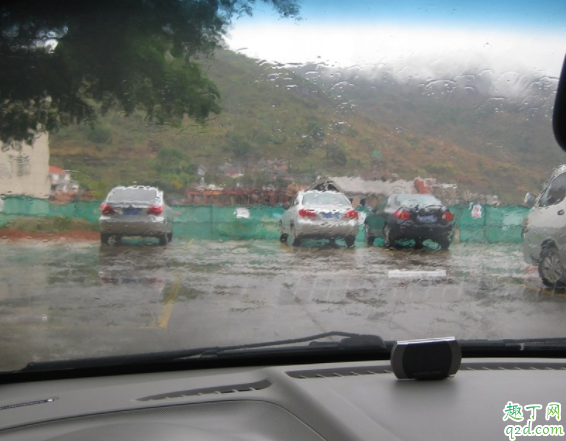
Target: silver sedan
[(319, 215), (135, 211)]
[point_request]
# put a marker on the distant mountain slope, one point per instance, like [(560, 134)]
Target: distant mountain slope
[(338, 123)]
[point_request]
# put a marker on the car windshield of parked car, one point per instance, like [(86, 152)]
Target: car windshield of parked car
[(412, 201), (339, 200), (555, 191), (231, 113)]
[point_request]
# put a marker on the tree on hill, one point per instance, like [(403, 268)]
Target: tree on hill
[(66, 61), (174, 170), (335, 154), (238, 145)]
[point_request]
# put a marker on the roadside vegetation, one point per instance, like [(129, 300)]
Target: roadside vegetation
[(370, 128), (49, 225)]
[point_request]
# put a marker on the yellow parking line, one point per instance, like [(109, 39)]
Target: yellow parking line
[(169, 302), (544, 290)]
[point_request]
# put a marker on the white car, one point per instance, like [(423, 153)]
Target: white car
[(135, 211), (544, 230), (319, 215)]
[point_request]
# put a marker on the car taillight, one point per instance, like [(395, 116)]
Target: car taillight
[(307, 213), (447, 216), (401, 213), (352, 214), (155, 209), (106, 209)]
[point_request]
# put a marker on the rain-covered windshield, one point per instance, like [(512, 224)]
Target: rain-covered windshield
[(234, 109)]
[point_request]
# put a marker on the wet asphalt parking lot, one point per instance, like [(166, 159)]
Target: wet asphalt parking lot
[(61, 300)]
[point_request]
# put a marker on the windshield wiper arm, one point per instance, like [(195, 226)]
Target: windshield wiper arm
[(349, 341), (548, 347), (351, 347)]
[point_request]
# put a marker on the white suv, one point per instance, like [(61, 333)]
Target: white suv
[(544, 230)]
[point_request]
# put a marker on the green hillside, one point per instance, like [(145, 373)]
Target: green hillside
[(329, 126)]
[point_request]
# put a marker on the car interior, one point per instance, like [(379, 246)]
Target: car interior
[(358, 400)]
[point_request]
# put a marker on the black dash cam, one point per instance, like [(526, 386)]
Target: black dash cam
[(426, 359)]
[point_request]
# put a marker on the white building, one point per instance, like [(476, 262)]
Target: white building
[(61, 180), (25, 171)]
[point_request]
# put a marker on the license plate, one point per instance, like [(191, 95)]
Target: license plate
[(130, 211), (427, 219), (330, 216)]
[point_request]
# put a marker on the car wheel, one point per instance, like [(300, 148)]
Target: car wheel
[(283, 236), (169, 237), (104, 238), (350, 241), (443, 243), (550, 268), (387, 237), (163, 239), (368, 237), (292, 239)]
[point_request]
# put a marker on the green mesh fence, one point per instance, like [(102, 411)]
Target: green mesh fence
[(210, 222), (474, 223), (469, 228), (484, 223), (505, 224)]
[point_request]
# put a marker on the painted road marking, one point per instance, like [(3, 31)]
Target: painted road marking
[(408, 274), (169, 303), (170, 299), (541, 289)]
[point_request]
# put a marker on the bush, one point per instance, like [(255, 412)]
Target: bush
[(51, 224), (100, 134)]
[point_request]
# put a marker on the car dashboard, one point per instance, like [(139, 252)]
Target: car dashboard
[(330, 401)]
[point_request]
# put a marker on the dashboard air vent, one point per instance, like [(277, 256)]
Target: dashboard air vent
[(471, 366), (340, 372), (513, 366), (234, 388)]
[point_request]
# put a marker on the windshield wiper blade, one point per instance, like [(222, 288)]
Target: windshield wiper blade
[(544, 347), (351, 347), (349, 341)]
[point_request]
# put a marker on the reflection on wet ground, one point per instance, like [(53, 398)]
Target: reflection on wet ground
[(74, 300)]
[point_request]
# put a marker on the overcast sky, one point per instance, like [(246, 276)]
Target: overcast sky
[(413, 38)]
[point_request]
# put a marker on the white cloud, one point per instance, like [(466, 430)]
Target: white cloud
[(407, 53)]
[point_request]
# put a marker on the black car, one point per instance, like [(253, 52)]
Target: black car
[(416, 217)]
